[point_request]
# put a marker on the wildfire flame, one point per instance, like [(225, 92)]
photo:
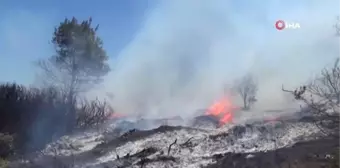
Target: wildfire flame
[(117, 116), (114, 114), (222, 109)]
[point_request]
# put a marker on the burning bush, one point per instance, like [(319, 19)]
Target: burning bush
[(222, 109)]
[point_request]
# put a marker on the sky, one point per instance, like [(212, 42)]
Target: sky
[(174, 56), (26, 30)]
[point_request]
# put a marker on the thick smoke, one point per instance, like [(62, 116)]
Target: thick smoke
[(188, 51)]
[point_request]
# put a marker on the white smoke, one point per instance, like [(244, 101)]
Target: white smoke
[(187, 51)]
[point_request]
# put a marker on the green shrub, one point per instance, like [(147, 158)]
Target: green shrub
[(3, 163), (6, 145)]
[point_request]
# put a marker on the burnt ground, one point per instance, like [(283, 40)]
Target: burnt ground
[(322, 153), (47, 161), (134, 135)]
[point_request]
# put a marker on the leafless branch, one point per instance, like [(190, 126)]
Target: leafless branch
[(169, 149), (323, 99), (186, 143)]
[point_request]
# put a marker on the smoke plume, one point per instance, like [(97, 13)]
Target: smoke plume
[(187, 52)]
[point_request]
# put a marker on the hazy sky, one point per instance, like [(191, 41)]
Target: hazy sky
[(176, 55)]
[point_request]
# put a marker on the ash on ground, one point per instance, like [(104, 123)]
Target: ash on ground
[(279, 143)]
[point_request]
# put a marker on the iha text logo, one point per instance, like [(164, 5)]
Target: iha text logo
[(281, 25)]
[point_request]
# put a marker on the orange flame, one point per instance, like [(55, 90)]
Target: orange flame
[(116, 116), (223, 109)]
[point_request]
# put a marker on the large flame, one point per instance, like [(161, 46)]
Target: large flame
[(222, 109)]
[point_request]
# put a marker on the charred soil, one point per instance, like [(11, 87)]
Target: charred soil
[(321, 153)]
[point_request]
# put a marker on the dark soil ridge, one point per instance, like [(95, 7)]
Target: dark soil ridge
[(134, 135), (321, 153)]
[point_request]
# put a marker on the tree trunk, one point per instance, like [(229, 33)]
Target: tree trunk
[(245, 105), (71, 117)]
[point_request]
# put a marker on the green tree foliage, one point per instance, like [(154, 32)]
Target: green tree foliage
[(80, 60)]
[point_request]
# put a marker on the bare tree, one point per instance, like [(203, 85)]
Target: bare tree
[(247, 89), (322, 99), (324, 91), (92, 113)]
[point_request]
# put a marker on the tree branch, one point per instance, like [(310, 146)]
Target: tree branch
[(171, 146)]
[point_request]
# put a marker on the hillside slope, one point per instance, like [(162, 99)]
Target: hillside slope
[(246, 145)]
